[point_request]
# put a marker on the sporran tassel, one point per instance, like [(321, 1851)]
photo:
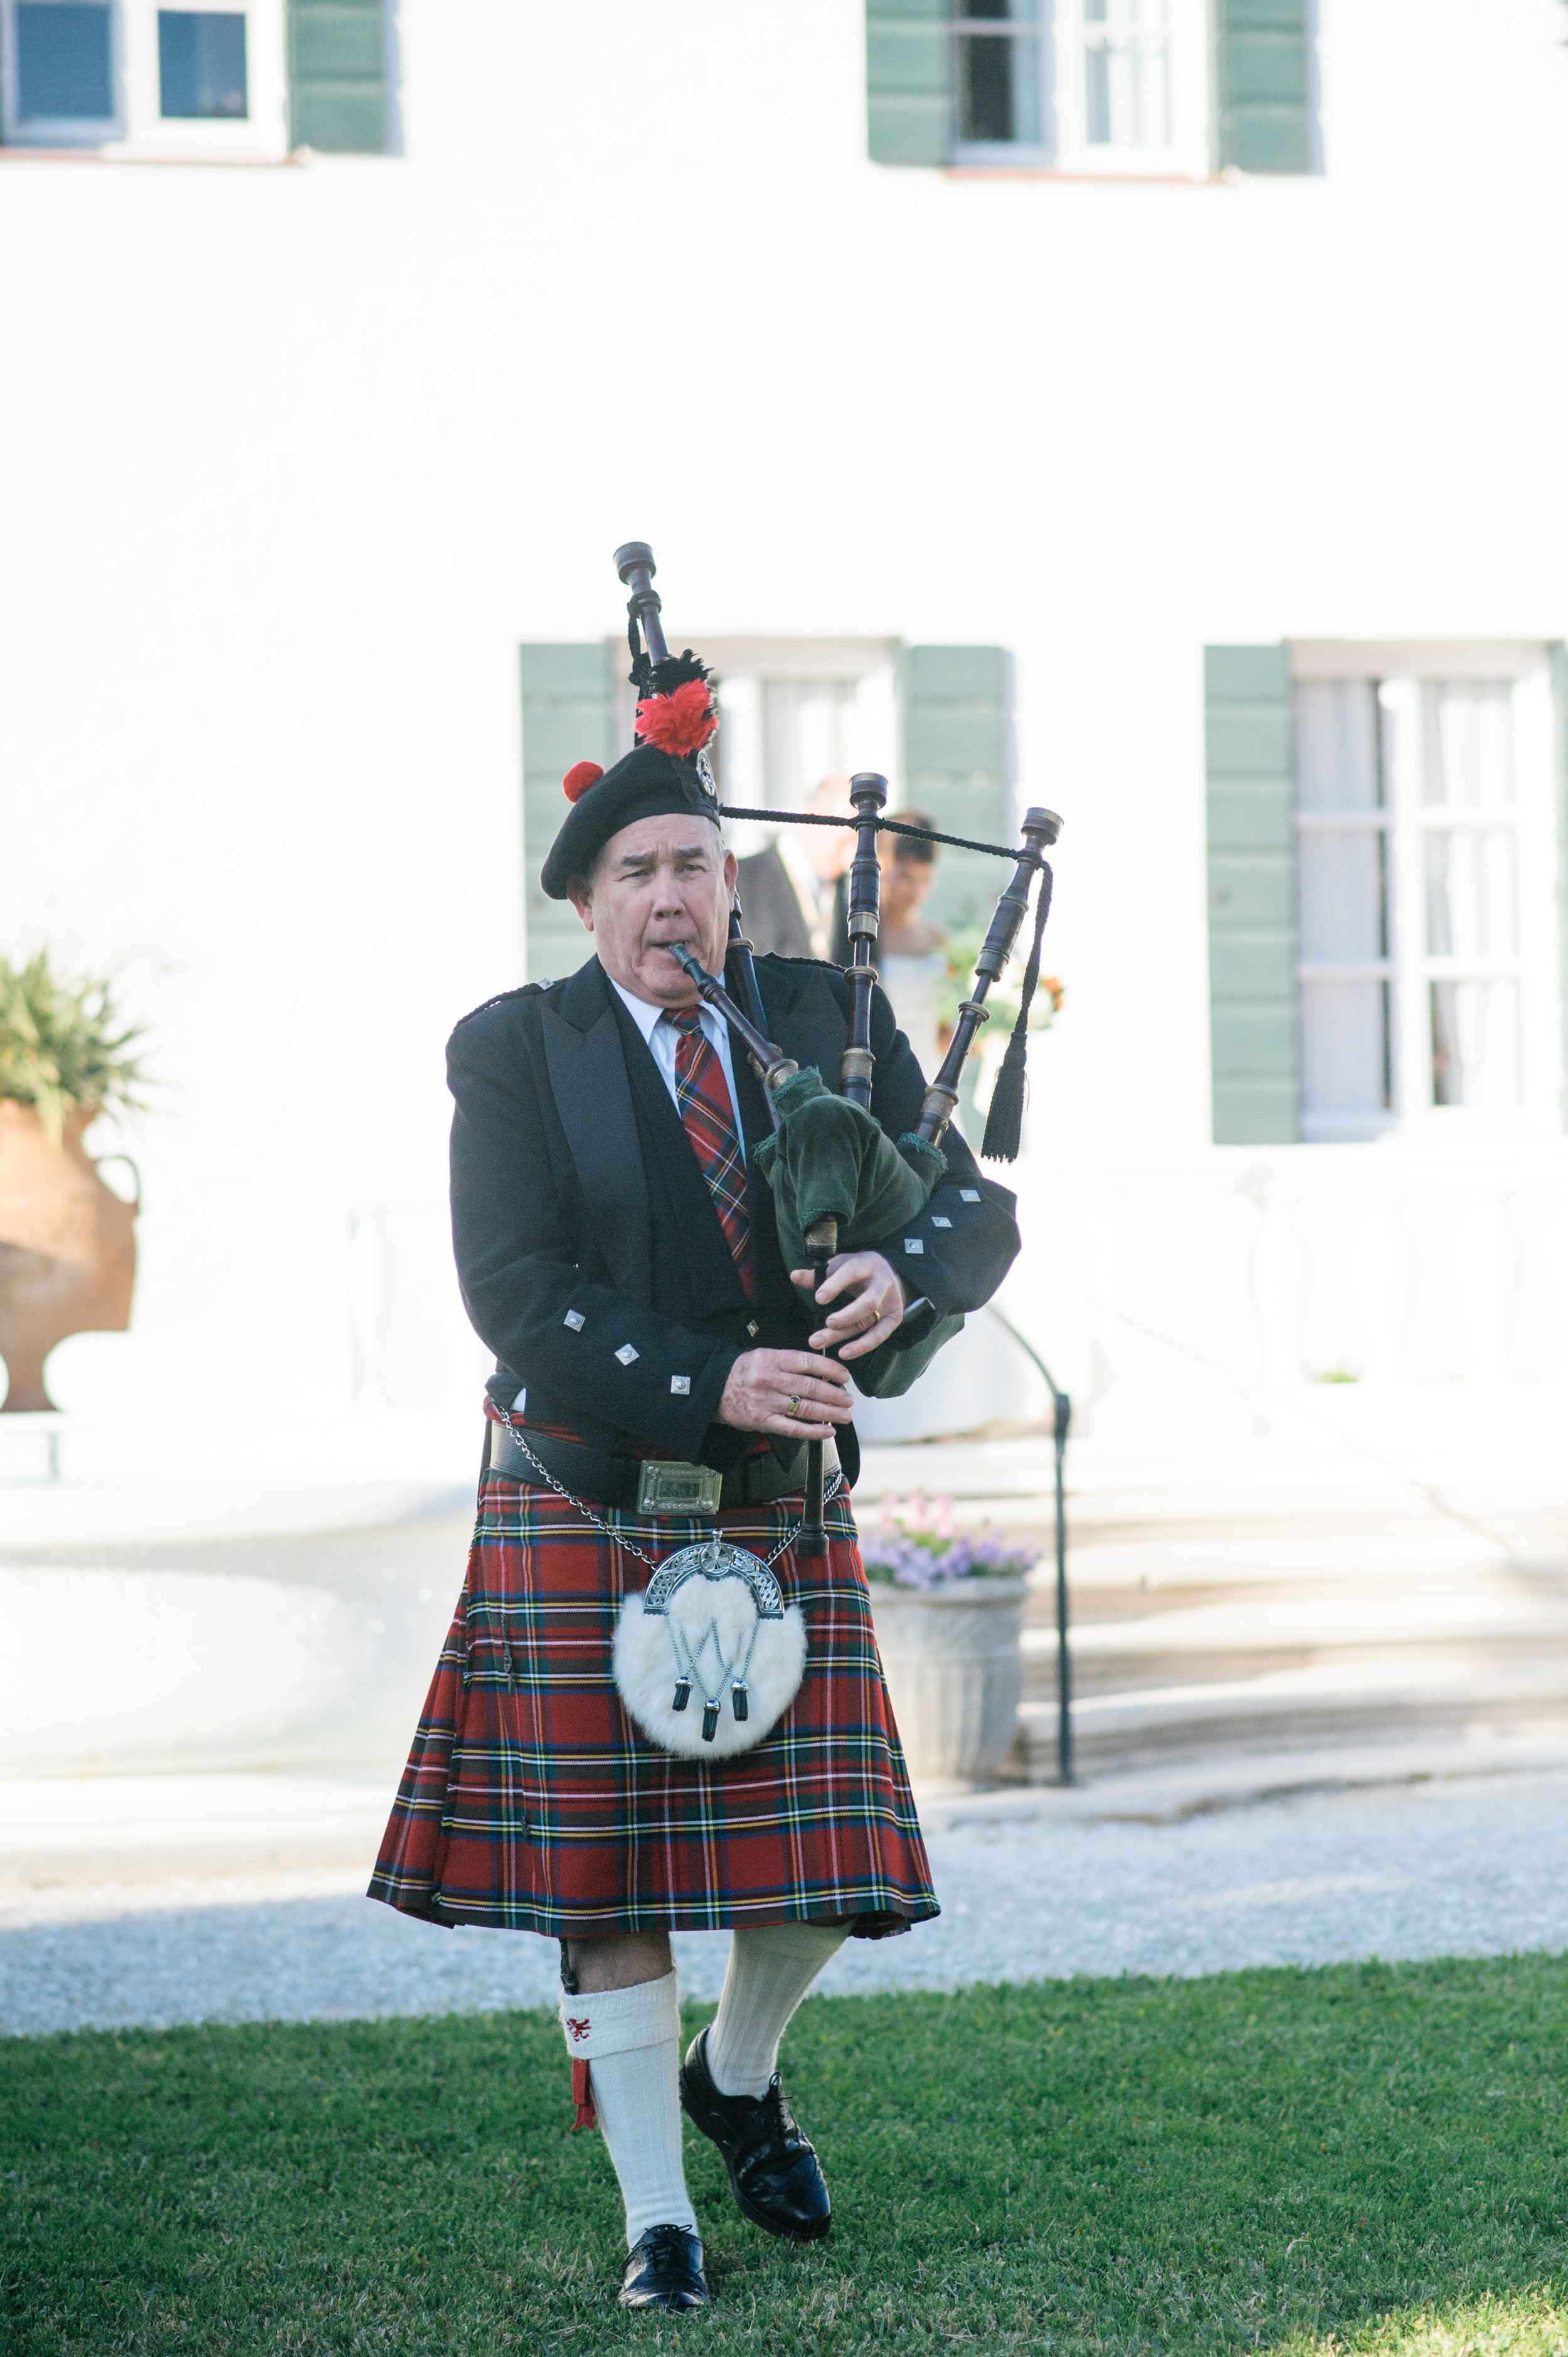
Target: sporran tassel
[(1005, 1121)]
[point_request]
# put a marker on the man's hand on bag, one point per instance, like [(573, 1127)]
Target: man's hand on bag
[(871, 1303), (792, 1392)]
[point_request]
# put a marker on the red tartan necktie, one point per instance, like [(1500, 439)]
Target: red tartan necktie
[(703, 1094)]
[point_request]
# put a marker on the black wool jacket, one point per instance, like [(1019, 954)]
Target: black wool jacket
[(591, 1258)]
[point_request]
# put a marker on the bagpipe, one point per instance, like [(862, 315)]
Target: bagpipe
[(839, 1183)]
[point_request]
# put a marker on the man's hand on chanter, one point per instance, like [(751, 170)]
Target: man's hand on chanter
[(871, 1298), (792, 1392)]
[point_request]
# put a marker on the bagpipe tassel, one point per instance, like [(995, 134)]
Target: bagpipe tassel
[(1005, 1121), (583, 2096)]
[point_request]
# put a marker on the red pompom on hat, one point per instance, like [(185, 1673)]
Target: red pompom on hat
[(579, 778), (678, 724)]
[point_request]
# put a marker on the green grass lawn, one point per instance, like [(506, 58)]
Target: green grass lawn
[(1365, 2158)]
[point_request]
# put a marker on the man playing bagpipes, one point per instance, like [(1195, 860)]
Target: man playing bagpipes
[(659, 1706)]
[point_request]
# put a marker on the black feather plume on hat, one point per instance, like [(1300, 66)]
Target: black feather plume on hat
[(677, 671), (651, 678)]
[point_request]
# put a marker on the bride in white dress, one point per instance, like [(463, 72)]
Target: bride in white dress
[(910, 948)]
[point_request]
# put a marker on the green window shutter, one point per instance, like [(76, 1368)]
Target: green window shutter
[(958, 714), (1263, 85), (908, 81), (1558, 660), (568, 715), (1253, 1024), (338, 76)]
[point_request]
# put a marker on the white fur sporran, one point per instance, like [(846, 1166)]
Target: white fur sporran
[(709, 1657)]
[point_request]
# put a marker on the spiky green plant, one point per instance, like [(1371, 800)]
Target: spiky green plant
[(63, 1047)]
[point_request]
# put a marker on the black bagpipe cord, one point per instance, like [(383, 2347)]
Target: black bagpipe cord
[(1004, 1122), (884, 826)]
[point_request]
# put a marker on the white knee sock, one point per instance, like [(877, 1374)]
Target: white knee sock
[(770, 1969), (630, 2041)]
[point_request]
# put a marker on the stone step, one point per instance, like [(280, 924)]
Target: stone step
[(1219, 1635), (1472, 1612), (1489, 1631), (1386, 1667), (1168, 1791), (1346, 1702)]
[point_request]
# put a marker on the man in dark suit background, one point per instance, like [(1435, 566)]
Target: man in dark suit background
[(793, 896)]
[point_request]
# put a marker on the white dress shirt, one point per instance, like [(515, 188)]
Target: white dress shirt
[(663, 1040)]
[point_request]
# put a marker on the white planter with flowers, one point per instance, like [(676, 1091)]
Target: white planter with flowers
[(949, 1610)]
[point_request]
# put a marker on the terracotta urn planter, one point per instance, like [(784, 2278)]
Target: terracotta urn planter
[(67, 1249), (955, 1673)]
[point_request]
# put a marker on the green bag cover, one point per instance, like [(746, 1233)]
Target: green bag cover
[(888, 1371), (830, 1157)]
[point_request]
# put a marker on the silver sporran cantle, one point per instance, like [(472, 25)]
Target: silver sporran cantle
[(709, 1657)]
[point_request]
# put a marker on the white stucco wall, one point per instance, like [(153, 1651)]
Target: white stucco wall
[(297, 456)]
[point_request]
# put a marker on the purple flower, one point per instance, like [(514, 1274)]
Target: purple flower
[(913, 1544)]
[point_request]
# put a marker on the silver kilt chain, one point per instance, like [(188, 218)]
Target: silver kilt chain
[(609, 1529)]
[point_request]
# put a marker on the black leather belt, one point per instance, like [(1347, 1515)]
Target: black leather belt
[(653, 1485)]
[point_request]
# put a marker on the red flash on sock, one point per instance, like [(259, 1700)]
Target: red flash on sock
[(583, 2096)]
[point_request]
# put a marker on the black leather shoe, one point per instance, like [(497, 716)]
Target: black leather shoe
[(664, 2269), (774, 2173)]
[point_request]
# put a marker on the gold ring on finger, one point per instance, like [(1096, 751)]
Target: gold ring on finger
[(793, 1407)]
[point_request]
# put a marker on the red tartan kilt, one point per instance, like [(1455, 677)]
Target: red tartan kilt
[(531, 1801)]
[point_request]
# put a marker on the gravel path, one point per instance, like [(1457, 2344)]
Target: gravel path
[(1476, 1867)]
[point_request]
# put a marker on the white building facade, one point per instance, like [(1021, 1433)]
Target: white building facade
[(1147, 407)]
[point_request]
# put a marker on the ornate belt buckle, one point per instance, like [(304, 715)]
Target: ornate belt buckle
[(664, 1486)]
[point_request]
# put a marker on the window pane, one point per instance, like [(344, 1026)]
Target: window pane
[(62, 62), (1470, 892), (201, 63), (1126, 91), (1342, 883), (1096, 96), (1470, 745), (1475, 1044), (1342, 896), (1345, 1065), (807, 736), (999, 88), (1337, 754)]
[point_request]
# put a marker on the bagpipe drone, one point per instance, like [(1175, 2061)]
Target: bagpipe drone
[(839, 1182)]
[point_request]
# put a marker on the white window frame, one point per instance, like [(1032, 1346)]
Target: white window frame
[(1184, 152), (1401, 670), (137, 129), (1064, 145)]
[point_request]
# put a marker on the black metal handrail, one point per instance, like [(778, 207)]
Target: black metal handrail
[(1061, 1407)]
